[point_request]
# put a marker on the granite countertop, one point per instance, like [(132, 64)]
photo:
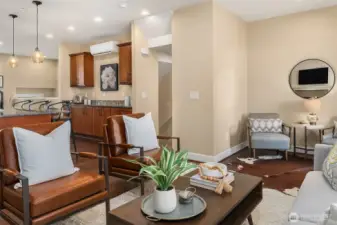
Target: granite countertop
[(104, 106), (17, 112)]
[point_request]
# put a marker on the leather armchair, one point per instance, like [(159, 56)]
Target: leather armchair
[(50, 201), (115, 149), (279, 141)]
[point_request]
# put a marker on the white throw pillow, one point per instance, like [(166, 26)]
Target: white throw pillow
[(140, 132), (44, 158)]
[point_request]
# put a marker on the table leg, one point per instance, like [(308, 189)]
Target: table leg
[(320, 136), (250, 220), (294, 141), (306, 142)]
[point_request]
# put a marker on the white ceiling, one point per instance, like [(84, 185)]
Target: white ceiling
[(252, 10), (57, 15)]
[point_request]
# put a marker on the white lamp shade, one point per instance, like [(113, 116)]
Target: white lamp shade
[(312, 105)]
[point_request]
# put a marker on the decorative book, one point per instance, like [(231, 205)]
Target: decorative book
[(198, 181)]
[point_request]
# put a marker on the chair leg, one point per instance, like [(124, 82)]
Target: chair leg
[(254, 153), (107, 210), (286, 155), (142, 187)]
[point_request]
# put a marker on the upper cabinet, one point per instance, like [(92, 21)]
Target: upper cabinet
[(81, 70), (125, 63)]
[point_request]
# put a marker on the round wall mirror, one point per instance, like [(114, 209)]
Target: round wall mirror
[(312, 78)]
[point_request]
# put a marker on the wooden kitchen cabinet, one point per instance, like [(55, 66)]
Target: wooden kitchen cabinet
[(89, 120), (99, 119), (81, 70), (125, 63), (82, 120)]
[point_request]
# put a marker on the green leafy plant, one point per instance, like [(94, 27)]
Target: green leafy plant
[(169, 168)]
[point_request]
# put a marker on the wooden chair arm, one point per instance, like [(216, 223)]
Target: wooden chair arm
[(171, 138), (88, 155)]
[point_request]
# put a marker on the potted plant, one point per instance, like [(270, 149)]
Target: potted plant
[(164, 172)]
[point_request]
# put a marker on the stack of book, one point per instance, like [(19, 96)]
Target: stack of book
[(197, 181)]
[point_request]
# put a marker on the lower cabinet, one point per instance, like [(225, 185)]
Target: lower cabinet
[(100, 116), (89, 120)]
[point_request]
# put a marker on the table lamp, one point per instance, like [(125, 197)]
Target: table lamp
[(313, 106)]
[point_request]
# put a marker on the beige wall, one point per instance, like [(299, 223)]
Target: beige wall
[(66, 92), (229, 78), (144, 77), (275, 47), (36, 77), (165, 99), (209, 56), (192, 70)]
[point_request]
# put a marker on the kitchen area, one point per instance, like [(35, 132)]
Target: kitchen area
[(91, 82), (101, 80)]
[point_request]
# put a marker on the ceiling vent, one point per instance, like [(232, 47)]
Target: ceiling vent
[(104, 48)]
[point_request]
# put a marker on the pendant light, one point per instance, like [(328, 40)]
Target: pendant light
[(38, 56), (13, 61)]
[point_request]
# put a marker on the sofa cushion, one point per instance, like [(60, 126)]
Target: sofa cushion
[(52, 195), (328, 139), (330, 168), (44, 158), (120, 161), (314, 197), (277, 141), (273, 125), (140, 132)]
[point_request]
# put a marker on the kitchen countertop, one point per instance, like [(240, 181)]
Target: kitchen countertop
[(105, 106), (16, 113)]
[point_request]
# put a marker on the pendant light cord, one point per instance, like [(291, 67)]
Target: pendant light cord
[(13, 37), (37, 26)]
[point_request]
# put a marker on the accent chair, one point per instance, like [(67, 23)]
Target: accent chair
[(267, 131), (115, 149), (52, 200)]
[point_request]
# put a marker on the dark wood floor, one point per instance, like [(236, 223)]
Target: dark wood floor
[(119, 186)]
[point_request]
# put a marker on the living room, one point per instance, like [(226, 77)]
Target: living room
[(224, 84)]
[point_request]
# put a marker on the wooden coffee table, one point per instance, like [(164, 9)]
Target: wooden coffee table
[(229, 209)]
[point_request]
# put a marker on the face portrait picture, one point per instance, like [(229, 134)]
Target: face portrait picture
[(109, 77)]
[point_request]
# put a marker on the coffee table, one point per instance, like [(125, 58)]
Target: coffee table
[(226, 209)]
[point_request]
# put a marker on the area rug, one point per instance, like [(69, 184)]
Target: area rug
[(276, 174), (273, 210)]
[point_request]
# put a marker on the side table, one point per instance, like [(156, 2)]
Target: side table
[(306, 127)]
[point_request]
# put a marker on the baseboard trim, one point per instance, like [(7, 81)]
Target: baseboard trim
[(217, 158)]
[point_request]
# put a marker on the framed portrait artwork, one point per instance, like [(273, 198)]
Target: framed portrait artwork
[(109, 77)]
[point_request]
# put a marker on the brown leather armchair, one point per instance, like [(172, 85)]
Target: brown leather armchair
[(50, 201), (115, 149)]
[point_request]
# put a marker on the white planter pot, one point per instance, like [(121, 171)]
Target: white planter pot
[(164, 201)]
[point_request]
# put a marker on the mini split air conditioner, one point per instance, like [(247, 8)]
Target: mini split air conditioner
[(104, 48)]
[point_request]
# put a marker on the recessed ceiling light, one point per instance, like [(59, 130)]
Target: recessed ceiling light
[(123, 4), (22, 9), (49, 36), (145, 12), (71, 28), (98, 19), (1, 43)]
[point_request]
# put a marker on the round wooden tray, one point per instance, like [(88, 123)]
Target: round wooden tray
[(182, 212)]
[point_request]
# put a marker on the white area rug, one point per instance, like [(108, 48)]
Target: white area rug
[(273, 210)]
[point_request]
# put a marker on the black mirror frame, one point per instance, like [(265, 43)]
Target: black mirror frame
[(334, 82)]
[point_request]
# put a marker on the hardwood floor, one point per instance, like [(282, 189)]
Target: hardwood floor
[(119, 186)]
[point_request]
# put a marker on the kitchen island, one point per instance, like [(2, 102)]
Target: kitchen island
[(13, 117)]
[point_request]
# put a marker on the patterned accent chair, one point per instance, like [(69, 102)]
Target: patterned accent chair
[(267, 131), (328, 136)]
